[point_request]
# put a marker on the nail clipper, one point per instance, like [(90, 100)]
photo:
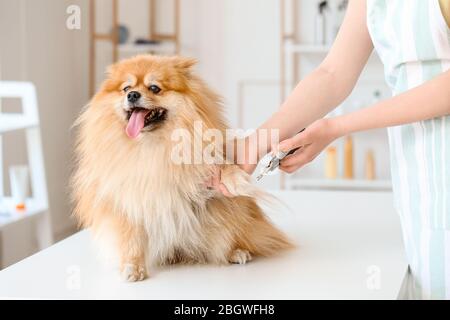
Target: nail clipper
[(275, 161)]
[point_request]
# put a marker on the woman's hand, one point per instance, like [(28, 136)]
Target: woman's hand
[(312, 141), (215, 182)]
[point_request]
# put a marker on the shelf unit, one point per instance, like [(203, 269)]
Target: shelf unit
[(28, 120), (163, 48), (341, 184), (113, 37), (10, 215), (11, 122), (292, 48)]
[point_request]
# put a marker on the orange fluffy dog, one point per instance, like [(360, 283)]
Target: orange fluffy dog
[(127, 189)]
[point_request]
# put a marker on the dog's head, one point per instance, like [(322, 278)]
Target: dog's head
[(156, 94)]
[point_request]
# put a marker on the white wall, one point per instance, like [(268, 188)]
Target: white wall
[(36, 46)]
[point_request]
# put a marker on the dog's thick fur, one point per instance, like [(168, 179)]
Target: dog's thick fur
[(156, 210)]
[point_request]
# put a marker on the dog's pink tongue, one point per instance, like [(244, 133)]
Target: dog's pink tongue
[(136, 123)]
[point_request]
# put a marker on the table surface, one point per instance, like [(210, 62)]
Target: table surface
[(349, 247)]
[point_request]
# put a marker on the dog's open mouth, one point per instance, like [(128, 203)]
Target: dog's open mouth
[(140, 118)]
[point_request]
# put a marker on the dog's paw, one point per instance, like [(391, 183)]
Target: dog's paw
[(133, 272), (237, 181), (239, 256)]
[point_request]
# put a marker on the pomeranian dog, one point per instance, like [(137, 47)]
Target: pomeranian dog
[(130, 193)]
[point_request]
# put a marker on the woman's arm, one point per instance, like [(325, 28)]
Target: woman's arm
[(427, 101), (322, 90), (430, 100)]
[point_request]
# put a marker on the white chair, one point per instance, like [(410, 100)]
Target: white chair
[(36, 209)]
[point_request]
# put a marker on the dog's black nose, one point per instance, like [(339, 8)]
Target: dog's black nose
[(133, 96)]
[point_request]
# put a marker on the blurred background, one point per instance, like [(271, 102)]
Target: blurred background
[(252, 52)]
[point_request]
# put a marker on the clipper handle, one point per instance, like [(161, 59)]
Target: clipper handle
[(281, 154)]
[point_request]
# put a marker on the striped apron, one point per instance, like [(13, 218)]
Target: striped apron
[(413, 41)]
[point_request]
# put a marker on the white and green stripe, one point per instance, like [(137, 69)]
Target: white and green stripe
[(413, 41)]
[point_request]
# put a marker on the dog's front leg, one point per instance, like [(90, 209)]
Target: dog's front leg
[(132, 247)]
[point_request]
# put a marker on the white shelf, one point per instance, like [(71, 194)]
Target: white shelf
[(10, 215), (319, 50), (11, 122), (131, 48), (307, 48), (340, 184)]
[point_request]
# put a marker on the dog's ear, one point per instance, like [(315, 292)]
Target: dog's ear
[(184, 65), (112, 69), (110, 83)]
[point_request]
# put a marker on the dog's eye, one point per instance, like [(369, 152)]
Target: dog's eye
[(155, 89), (126, 88)]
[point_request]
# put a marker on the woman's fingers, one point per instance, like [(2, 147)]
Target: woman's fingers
[(209, 183), (290, 169), (299, 156), (296, 161), (215, 182), (296, 141), (223, 189), (216, 177)]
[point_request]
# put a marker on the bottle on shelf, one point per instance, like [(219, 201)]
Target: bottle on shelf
[(331, 163), (348, 158), (370, 165), (334, 16), (320, 23), (19, 185)]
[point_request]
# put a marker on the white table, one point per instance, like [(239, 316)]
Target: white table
[(350, 247)]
